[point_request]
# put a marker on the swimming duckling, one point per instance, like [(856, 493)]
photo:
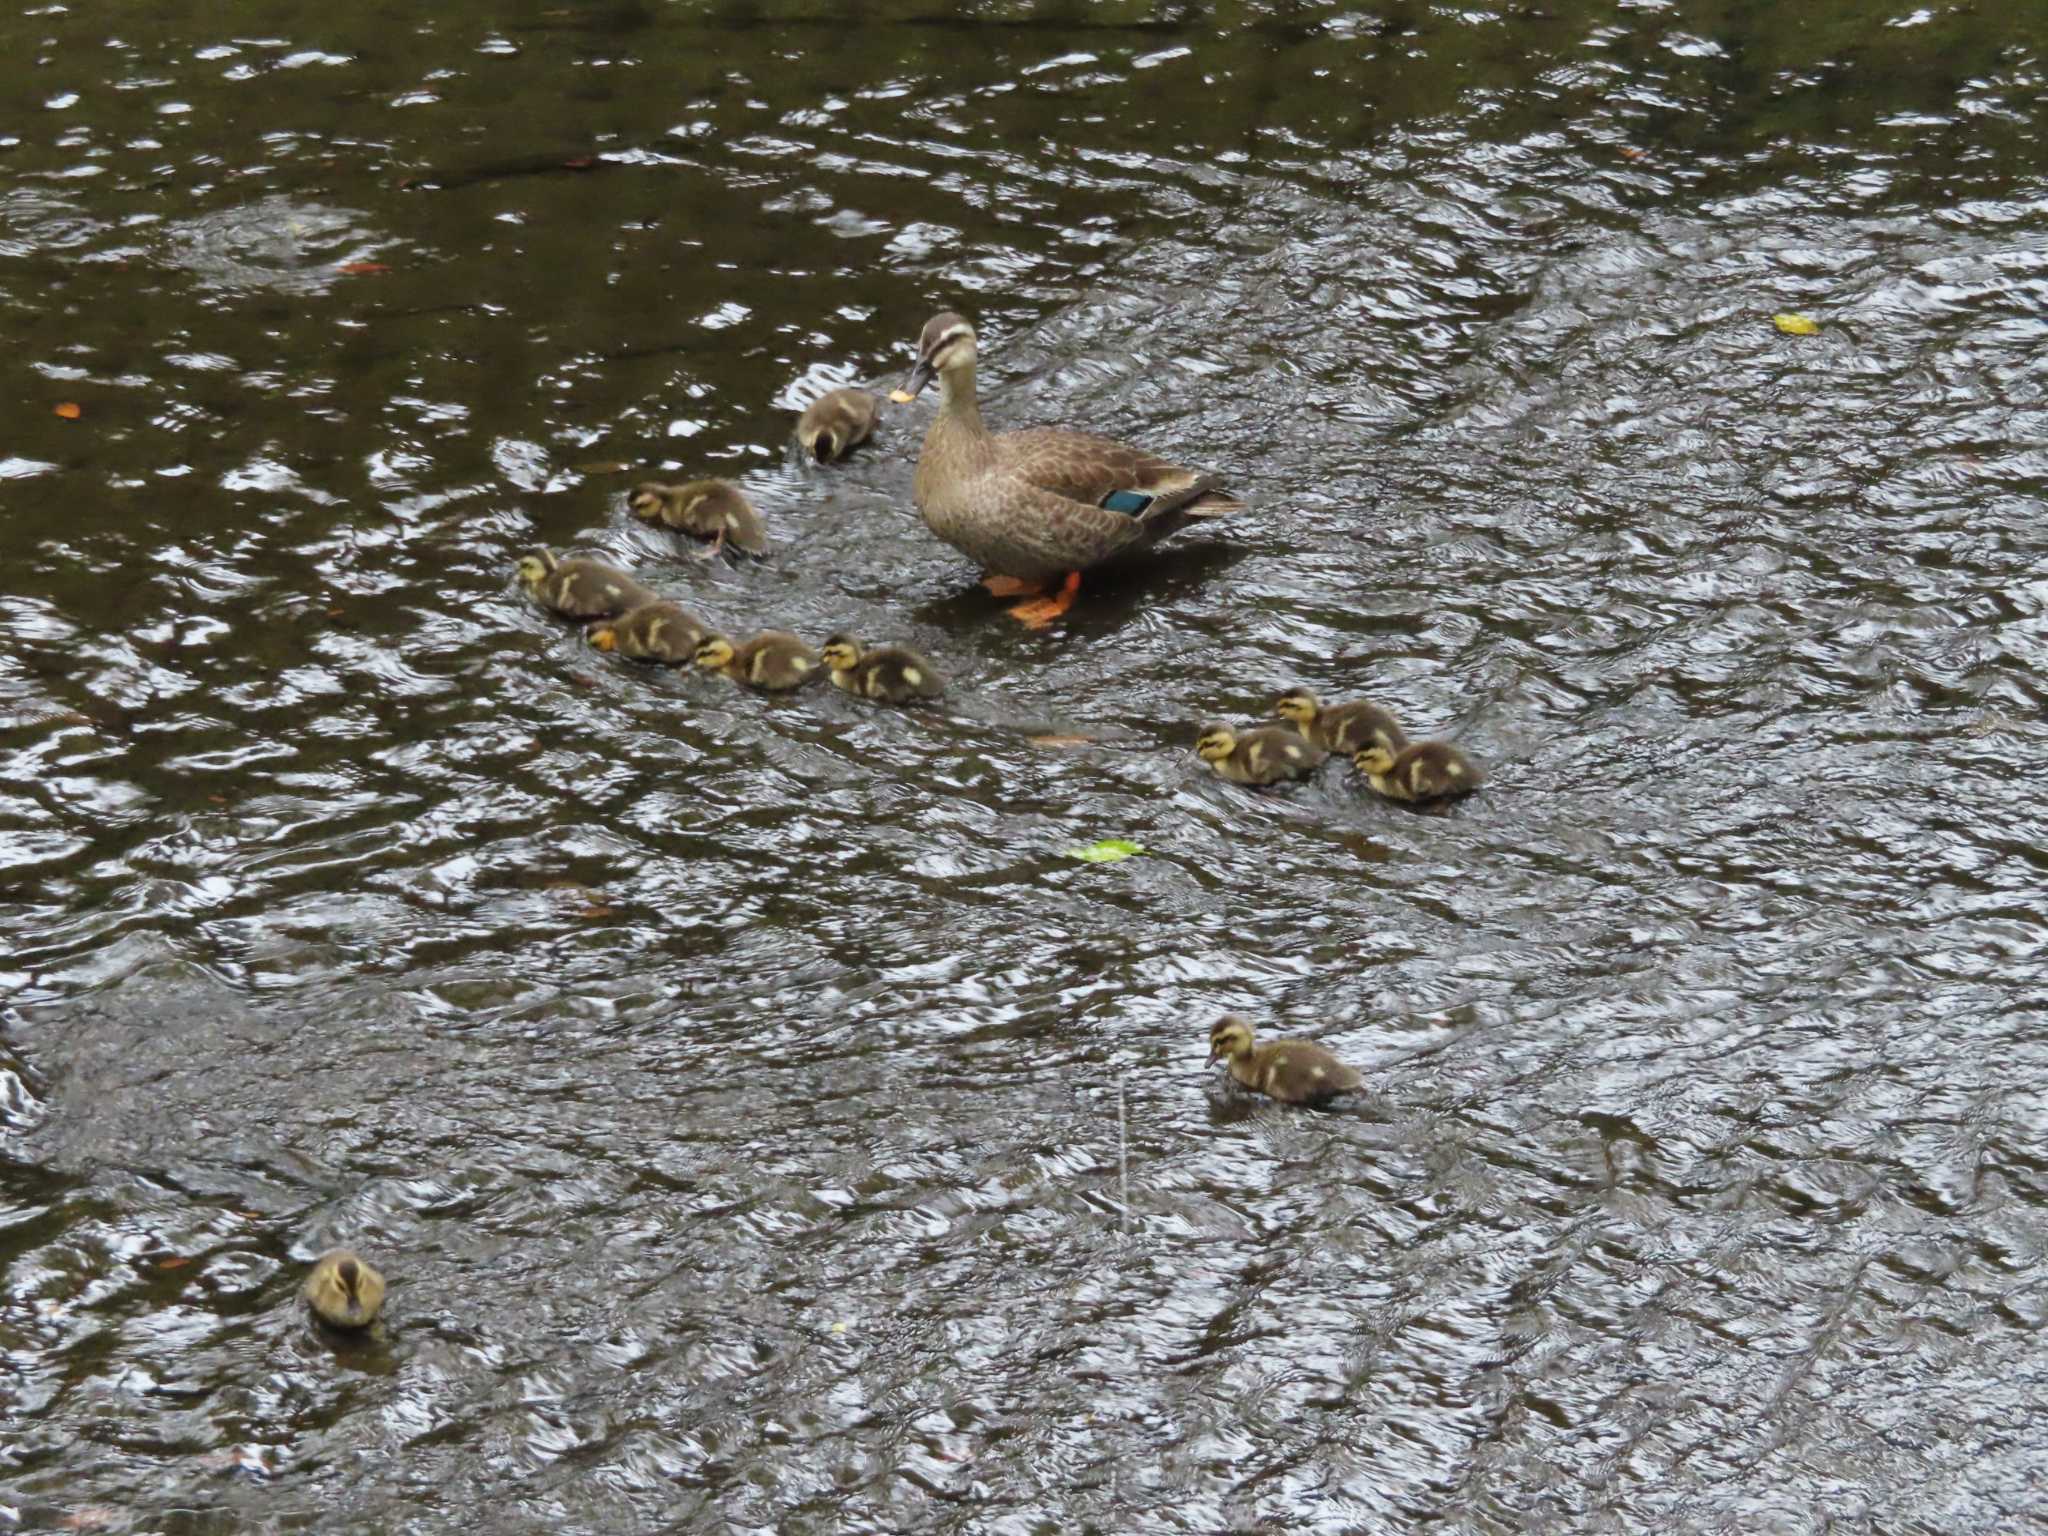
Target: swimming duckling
[(1339, 727), (835, 424), (893, 673), (343, 1291), (1264, 755), (1292, 1071), (580, 589), (774, 660), (662, 632), (1429, 770), (706, 509)]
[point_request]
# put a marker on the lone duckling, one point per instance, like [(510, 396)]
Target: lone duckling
[(1292, 1071), (343, 1291), (580, 589), (835, 424), (1428, 770), (894, 674), (774, 660), (1265, 755), (1339, 727), (659, 632), (706, 509)]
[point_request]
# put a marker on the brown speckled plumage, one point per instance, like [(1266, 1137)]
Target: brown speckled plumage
[(1027, 504)]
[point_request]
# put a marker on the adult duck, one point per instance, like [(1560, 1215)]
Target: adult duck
[(1038, 507)]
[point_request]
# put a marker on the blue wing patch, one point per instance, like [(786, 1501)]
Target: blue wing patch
[(1133, 502)]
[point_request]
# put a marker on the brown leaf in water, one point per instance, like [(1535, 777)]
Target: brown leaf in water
[(175, 1261), (364, 268), (70, 410), (602, 467), (1056, 740)]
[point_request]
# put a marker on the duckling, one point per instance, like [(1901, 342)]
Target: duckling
[(837, 423), (661, 632), (1339, 727), (893, 673), (1292, 1071), (706, 509), (343, 1291), (1428, 770), (773, 661), (580, 589), (1262, 756)]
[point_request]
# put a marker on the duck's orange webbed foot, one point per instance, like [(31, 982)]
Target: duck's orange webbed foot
[(1011, 586), (1041, 611)]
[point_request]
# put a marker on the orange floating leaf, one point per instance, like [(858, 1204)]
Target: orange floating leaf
[(175, 1261), (364, 268), (70, 410)]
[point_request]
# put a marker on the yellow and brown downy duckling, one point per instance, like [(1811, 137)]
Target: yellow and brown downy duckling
[(659, 632), (716, 510), (343, 1291), (580, 589), (833, 425), (1339, 727), (1428, 770), (773, 661), (1292, 1071), (894, 674), (1264, 755)]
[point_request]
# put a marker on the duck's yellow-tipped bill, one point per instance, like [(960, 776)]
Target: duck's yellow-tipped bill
[(901, 396)]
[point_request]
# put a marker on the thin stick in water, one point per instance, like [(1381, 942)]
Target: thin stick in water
[(1123, 1162)]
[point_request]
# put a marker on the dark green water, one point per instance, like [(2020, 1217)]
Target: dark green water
[(728, 1088)]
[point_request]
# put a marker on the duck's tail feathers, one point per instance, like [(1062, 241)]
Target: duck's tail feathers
[(1200, 497)]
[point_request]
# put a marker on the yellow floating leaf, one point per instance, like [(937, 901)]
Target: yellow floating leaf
[(1796, 325), (1108, 851)]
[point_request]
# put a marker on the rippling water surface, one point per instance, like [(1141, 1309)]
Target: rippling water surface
[(731, 1088)]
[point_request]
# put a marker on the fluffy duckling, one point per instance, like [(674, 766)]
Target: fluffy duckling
[(1339, 727), (1292, 1071), (661, 632), (580, 589), (1265, 755), (343, 1291), (773, 661), (706, 509), (894, 674), (1428, 770), (835, 424)]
